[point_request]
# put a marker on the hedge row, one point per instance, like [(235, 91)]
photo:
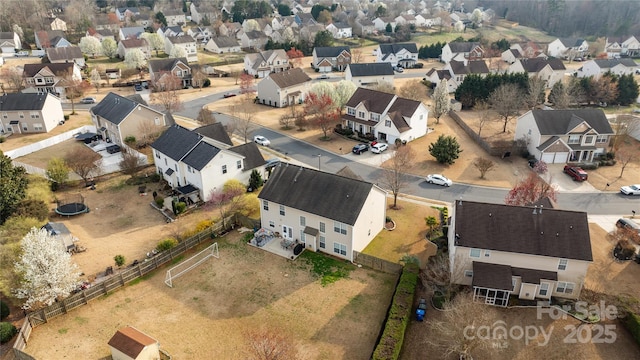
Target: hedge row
[(632, 323), (399, 314)]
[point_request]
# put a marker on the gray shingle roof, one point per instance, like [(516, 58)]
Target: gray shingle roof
[(252, 156), (176, 142), (330, 51), (534, 65), (200, 155), (291, 77), (560, 122), (225, 41), (56, 228), (59, 69), (158, 65), (609, 63), (181, 39), (216, 132), (556, 233), (371, 69), (395, 48), (64, 53), (22, 101), (571, 42), (114, 108), (472, 67), (134, 31), (316, 192), (375, 101), (462, 47)]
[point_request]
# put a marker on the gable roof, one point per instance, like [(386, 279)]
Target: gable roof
[(158, 65), (252, 156), (291, 77), (130, 341), (22, 101), (200, 155), (560, 122), (348, 173), (133, 43), (56, 228), (534, 65), (216, 132), (266, 56), (58, 69), (225, 41), (396, 48), (555, 233), (571, 42), (374, 101), (472, 67), (45, 36), (371, 69), (462, 47), (330, 51), (316, 192), (255, 35), (64, 53), (181, 39), (133, 31), (115, 108), (176, 142), (609, 63), (400, 109)]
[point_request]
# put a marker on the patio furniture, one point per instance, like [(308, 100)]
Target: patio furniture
[(287, 244)]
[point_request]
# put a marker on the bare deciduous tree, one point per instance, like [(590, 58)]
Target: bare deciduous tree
[(205, 116), (130, 162), (626, 157), (74, 87), (413, 90), (95, 79), (244, 121), (165, 92), (530, 190), (270, 345), (12, 76), (287, 120), (535, 94), (199, 78), (624, 125), (484, 165), (356, 56), (394, 177), (149, 132), (484, 114), (84, 162), (384, 86), (506, 100)]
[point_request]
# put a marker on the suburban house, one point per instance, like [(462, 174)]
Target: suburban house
[(522, 50), (57, 24), (62, 234), (204, 12), (100, 34), (130, 343), (9, 42), (381, 23), (511, 55), (283, 88), (178, 67), (117, 117), (568, 48), (302, 204), (630, 47), (599, 67), (222, 44), (340, 30), (460, 69), (404, 55), (51, 39), (561, 136), (253, 40), (201, 34), (126, 45), (388, 117), (186, 42), (263, 63), (25, 113), (461, 51), (363, 26), (130, 32), (435, 76), (71, 54), (527, 251), (196, 165), (166, 31), (325, 59), (550, 70), (369, 74), (50, 78), (175, 17), (126, 12)]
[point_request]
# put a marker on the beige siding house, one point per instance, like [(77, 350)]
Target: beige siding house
[(265, 62), (283, 88), (24, 113), (532, 252), (549, 70), (370, 74), (322, 211)]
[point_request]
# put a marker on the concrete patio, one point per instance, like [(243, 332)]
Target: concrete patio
[(269, 241)]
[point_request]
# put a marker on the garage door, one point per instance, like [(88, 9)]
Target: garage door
[(548, 157), (561, 157)]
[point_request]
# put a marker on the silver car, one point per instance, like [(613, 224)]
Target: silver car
[(439, 179)]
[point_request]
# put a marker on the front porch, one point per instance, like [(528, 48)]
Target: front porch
[(274, 243)]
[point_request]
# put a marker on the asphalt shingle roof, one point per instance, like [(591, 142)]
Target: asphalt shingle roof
[(316, 192), (374, 101), (176, 142), (560, 122), (330, 51), (291, 77), (158, 65), (59, 69), (64, 53), (22, 101), (216, 132), (252, 156), (225, 41), (462, 47), (371, 69), (114, 108), (396, 48), (201, 155), (609, 63)]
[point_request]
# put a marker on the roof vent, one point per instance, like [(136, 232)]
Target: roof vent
[(535, 210), (540, 211), (489, 214), (571, 227), (541, 232), (557, 234)]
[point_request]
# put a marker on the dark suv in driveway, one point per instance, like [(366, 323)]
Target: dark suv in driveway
[(360, 148), (575, 172)]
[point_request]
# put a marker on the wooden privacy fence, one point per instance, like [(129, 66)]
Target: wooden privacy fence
[(494, 150), (376, 263), (101, 288)]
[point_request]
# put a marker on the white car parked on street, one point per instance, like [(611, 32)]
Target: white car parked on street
[(438, 179), (261, 140)]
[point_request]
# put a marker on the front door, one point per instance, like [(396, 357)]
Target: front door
[(287, 232)]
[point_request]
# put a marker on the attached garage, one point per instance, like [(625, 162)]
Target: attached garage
[(555, 157)]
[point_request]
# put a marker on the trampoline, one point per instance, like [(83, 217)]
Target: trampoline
[(72, 206)]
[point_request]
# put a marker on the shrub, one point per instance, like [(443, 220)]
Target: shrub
[(247, 237), (4, 310), (398, 317), (159, 201), (167, 244), (66, 118), (119, 259), (2, 139), (200, 227), (180, 207), (155, 177), (632, 323), (387, 219), (206, 83), (130, 140), (7, 331)]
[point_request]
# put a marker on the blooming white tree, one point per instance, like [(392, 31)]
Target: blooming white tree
[(45, 268), (178, 52), (154, 40), (343, 91), (134, 59), (109, 48), (459, 26), (476, 16), (441, 99), (90, 46)]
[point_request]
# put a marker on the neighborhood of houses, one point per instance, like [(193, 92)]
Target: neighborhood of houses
[(319, 211)]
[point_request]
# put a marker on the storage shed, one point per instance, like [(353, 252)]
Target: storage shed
[(130, 343)]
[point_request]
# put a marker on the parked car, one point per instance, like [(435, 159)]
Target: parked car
[(628, 224), (324, 76), (22, 54), (228, 95), (261, 140), (439, 179), (360, 148), (138, 87), (398, 69), (378, 148), (88, 100), (631, 189), (575, 172)]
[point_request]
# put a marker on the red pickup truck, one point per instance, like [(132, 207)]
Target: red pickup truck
[(575, 172)]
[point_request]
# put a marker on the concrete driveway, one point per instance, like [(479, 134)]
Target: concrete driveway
[(370, 158), (564, 183)]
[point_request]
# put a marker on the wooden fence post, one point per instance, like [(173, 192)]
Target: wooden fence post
[(155, 262), (139, 271), (104, 286), (121, 278)]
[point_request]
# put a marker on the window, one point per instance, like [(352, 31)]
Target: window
[(351, 111), (375, 117), (574, 139), (189, 168), (158, 155), (165, 161), (513, 284), (602, 139), (361, 115), (25, 127), (265, 205), (468, 273), (565, 287), (4, 115), (562, 265), (323, 242), (475, 253), (340, 227), (37, 127), (34, 115), (340, 249), (487, 253), (272, 224), (239, 164), (303, 221), (156, 120), (21, 115), (322, 227), (224, 169), (544, 289), (282, 210), (589, 139), (387, 123)]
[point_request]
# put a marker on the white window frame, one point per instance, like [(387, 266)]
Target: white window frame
[(562, 264), (602, 139), (468, 273), (322, 227), (474, 253), (303, 221), (282, 211), (340, 227), (265, 205), (387, 123), (272, 224), (544, 289), (514, 282), (340, 249), (589, 137), (351, 111), (361, 115), (487, 253), (38, 127), (565, 287), (224, 169), (323, 242), (574, 139), (239, 164)]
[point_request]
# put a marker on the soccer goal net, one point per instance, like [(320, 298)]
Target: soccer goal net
[(190, 263)]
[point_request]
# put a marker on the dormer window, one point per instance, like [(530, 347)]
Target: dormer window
[(351, 111)]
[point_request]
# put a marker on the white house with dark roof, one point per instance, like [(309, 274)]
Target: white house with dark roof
[(24, 113), (568, 47), (369, 74), (204, 12), (9, 42), (262, 63), (196, 165), (386, 116), (599, 67), (66, 55), (223, 44), (49, 78), (340, 30), (322, 211), (461, 51), (561, 136), (550, 70), (126, 45), (166, 31), (124, 12), (253, 39), (178, 67), (460, 69), (283, 88), (435, 76), (186, 42), (130, 343), (325, 59), (133, 32), (531, 252), (51, 39), (405, 55), (117, 117), (174, 17)]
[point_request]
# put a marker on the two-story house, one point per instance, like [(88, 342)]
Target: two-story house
[(71, 54), (166, 31), (404, 55), (186, 42), (550, 70), (174, 17), (363, 26), (568, 48), (461, 51), (435, 76), (196, 165), (201, 34), (133, 32), (222, 44), (386, 116), (283, 88), (117, 117), (51, 39), (204, 13), (460, 69), (253, 39), (599, 67), (9, 42), (265, 62), (126, 45), (381, 23), (324, 212), (325, 59), (126, 12), (369, 74), (561, 136), (100, 34), (340, 30), (25, 113), (50, 78), (178, 67), (527, 251)]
